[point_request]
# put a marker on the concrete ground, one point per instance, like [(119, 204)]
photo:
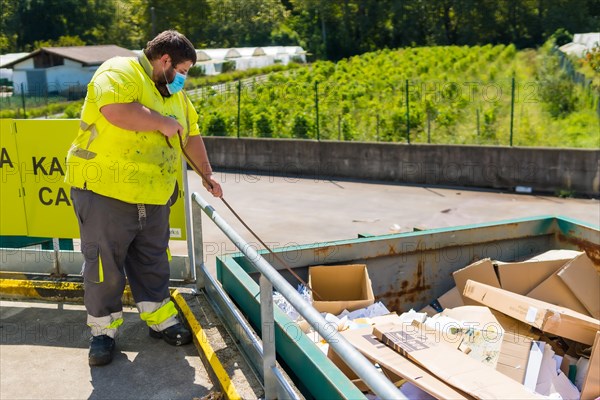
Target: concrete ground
[(43, 347), (43, 355), (285, 211)]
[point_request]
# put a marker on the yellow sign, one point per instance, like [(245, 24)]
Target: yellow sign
[(43, 146), (12, 209), (33, 169)]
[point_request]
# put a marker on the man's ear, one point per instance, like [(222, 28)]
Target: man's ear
[(165, 58)]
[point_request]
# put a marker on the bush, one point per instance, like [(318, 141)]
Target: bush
[(73, 111), (217, 126), (197, 71), (558, 94), (301, 127), (228, 66), (263, 127), (561, 37)]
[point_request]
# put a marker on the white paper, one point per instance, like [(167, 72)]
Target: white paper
[(565, 387), (534, 364), (374, 310), (531, 314), (547, 373)]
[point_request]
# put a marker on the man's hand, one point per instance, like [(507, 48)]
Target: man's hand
[(216, 189), (136, 117), (170, 127)]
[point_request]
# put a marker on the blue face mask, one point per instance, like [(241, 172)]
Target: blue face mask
[(177, 84)]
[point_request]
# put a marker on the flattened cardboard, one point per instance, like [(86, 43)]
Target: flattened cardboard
[(556, 254), (523, 277), (591, 385), (554, 291), (515, 341), (374, 350), (449, 364), (341, 287), (480, 271), (544, 316), (514, 356), (581, 277), (337, 360)]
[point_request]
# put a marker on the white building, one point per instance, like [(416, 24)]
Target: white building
[(7, 73), (581, 44), (65, 70), (212, 60)]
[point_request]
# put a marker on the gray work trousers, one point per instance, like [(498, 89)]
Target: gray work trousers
[(120, 239)]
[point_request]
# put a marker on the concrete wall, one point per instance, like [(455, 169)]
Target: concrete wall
[(542, 169)]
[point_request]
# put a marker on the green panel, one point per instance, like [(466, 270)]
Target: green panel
[(13, 242), (313, 370), (430, 256)]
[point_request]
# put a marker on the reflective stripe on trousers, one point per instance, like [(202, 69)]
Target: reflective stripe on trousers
[(158, 316), (105, 325)]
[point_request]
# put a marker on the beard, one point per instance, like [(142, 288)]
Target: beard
[(163, 79)]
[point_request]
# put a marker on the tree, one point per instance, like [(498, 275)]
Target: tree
[(8, 26), (239, 23)]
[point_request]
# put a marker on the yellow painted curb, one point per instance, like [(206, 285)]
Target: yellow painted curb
[(204, 346), (49, 290), (40, 289)]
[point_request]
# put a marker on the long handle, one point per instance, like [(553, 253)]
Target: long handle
[(209, 183)]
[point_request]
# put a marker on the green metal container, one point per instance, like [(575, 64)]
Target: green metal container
[(407, 270)]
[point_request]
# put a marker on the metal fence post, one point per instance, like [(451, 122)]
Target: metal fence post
[(407, 115), (268, 337), (197, 245), (239, 106), (512, 109), (317, 109), (23, 100)]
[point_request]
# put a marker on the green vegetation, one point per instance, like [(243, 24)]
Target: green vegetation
[(197, 79), (329, 30), (456, 95), (36, 107)]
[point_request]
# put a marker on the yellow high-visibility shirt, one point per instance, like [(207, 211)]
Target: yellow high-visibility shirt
[(131, 166)]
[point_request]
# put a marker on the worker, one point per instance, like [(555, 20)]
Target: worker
[(122, 167)]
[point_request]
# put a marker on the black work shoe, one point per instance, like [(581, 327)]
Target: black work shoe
[(176, 335), (101, 350)]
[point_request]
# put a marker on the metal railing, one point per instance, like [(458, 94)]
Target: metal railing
[(269, 278)]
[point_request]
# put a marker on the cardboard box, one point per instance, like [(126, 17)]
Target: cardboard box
[(581, 277), (449, 364), (364, 341), (481, 271), (554, 291), (341, 287), (591, 385), (544, 316)]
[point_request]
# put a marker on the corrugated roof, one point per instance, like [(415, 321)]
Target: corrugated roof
[(86, 55)]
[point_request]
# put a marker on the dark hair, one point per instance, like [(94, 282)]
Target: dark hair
[(172, 43)]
